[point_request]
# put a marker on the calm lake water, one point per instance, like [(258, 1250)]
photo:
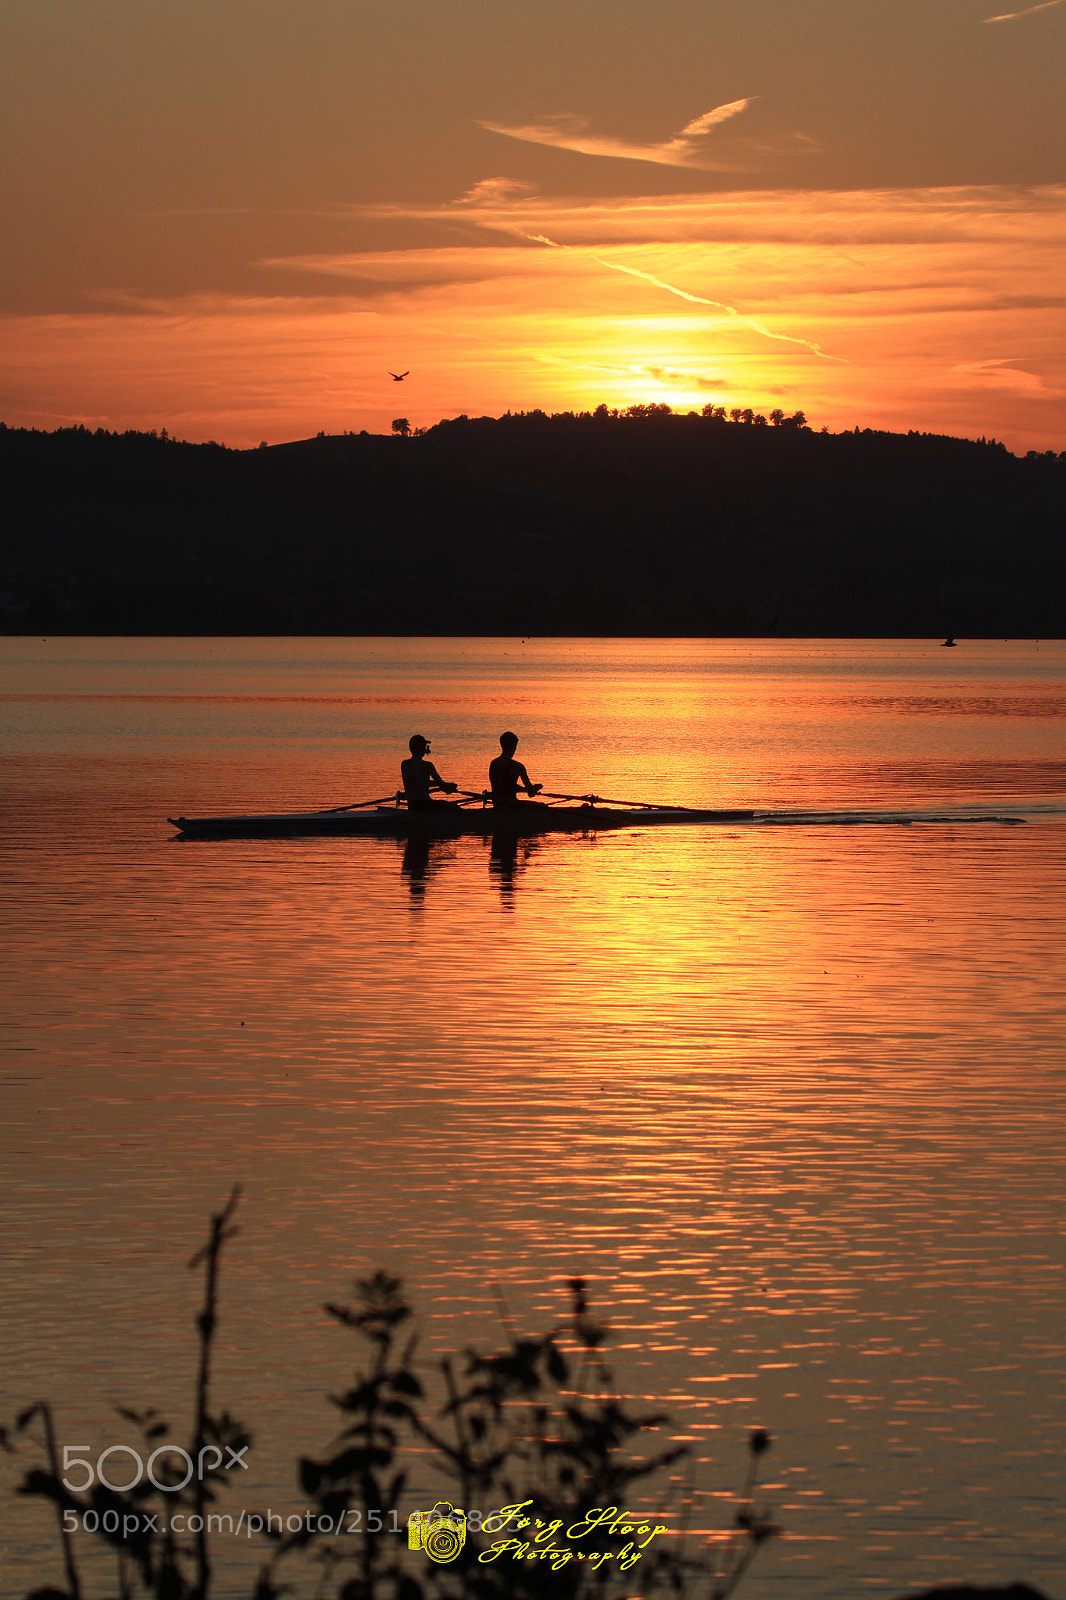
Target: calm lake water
[(790, 1097)]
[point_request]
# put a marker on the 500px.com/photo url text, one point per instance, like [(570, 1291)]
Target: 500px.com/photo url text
[(248, 1523), (130, 1524)]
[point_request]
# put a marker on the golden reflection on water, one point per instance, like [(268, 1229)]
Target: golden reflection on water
[(790, 1098)]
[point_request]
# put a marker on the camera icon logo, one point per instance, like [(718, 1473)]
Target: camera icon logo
[(441, 1533)]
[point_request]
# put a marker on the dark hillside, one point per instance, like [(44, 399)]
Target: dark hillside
[(570, 524)]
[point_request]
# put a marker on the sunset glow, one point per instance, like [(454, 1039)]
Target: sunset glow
[(782, 246)]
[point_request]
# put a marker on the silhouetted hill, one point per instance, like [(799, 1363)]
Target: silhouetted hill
[(647, 524)]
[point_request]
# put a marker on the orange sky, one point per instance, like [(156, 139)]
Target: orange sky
[(232, 219)]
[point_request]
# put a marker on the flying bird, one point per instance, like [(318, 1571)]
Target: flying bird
[(398, 377)]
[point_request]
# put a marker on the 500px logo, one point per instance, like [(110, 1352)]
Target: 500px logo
[(96, 1474)]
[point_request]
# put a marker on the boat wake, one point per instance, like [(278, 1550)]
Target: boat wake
[(906, 816)]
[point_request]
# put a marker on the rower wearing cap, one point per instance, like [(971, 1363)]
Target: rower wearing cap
[(420, 776), (505, 774)]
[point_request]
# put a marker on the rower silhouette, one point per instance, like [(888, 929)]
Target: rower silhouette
[(421, 776), (505, 774)]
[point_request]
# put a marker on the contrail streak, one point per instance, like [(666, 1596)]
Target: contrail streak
[(682, 294), (1009, 16), (720, 305), (696, 299)]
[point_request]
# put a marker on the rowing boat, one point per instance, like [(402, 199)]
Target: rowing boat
[(376, 819), (447, 821)]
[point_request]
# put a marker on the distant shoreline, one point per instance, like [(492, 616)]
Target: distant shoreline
[(646, 526), (547, 638)]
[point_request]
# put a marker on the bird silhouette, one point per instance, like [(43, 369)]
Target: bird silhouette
[(398, 377)]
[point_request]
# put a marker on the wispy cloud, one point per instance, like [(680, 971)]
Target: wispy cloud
[(771, 219), (670, 377), (684, 380), (495, 192), (683, 150), (1000, 373), (1009, 16)]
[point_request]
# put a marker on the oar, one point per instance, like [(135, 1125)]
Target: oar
[(589, 799), (602, 800), (357, 805), (386, 800), (485, 796)]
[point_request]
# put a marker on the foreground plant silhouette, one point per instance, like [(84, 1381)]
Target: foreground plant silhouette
[(537, 1425), (155, 1562)]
